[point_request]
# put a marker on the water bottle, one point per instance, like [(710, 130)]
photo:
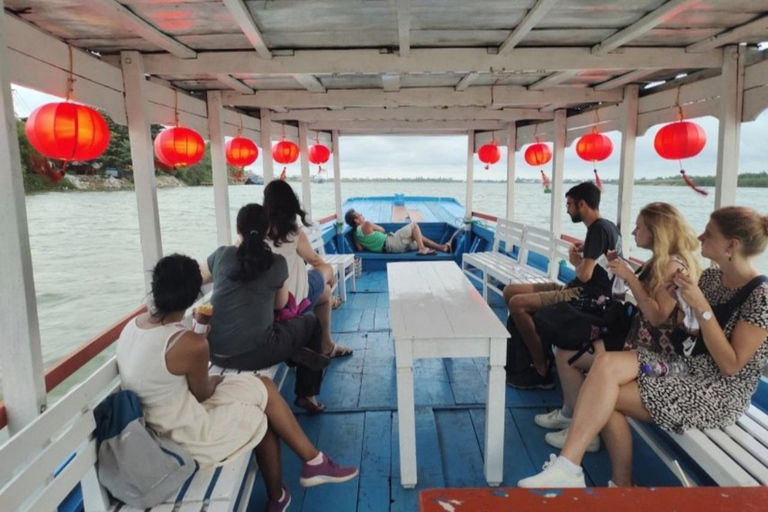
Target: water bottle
[(665, 369)]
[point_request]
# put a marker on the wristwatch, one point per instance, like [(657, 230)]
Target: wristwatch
[(707, 315)]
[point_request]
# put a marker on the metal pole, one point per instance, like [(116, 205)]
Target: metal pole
[(511, 152), (729, 129), (627, 169), (219, 162), (306, 192), (336, 174), (470, 175), (558, 166), (143, 161), (266, 145), (21, 359)]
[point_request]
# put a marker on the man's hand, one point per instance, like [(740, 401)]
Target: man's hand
[(574, 254)]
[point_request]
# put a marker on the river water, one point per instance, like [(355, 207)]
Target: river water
[(87, 255)]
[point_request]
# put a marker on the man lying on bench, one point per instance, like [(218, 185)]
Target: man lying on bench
[(372, 237)]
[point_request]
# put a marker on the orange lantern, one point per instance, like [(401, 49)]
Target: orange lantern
[(319, 154), (241, 152), (594, 147), (179, 147), (679, 140), (489, 154), (285, 152), (67, 131), (538, 154)]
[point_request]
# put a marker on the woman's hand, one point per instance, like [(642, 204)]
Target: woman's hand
[(621, 268), (690, 292)]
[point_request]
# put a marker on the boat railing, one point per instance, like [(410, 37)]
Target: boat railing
[(77, 359)]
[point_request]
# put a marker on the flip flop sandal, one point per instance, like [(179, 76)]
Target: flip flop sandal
[(308, 405), (336, 303), (339, 351)]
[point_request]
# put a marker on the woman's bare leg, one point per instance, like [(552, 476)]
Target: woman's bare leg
[(283, 423), (571, 377), (598, 400), (270, 465), (323, 313), (617, 435)]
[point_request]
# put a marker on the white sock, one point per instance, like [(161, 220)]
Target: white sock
[(317, 460), (569, 466), (567, 411)]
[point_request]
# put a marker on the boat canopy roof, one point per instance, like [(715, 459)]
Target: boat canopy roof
[(418, 66)]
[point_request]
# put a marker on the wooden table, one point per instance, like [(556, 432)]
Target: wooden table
[(435, 312), (596, 499)]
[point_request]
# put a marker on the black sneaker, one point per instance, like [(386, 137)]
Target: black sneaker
[(531, 379)]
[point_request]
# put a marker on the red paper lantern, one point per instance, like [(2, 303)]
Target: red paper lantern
[(179, 147), (489, 154), (538, 154), (683, 139), (319, 154), (68, 131), (285, 152), (241, 152), (594, 147)]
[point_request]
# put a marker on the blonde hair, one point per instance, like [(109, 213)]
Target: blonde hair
[(744, 224), (673, 237)]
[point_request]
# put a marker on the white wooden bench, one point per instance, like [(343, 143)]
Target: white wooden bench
[(498, 266), (344, 264), (65, 432)]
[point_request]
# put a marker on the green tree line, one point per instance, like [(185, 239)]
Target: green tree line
[(755, 179)]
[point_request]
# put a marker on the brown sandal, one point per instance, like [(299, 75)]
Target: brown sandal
[(308, 405)]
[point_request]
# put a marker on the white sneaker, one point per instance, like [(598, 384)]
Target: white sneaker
[(557, 439), (611, 484), (552, 420), (554, 475)]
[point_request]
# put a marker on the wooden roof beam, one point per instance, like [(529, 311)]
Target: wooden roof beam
[(423, 60), (119, 13), (466, 81), (404, 27), (664, 13), (553, 80), (243, 17), (504, 96), (310, 83), (390, 82), (411, 114), (234, 83), (534, 16), (408, 126), (620, 81), (736, 35)]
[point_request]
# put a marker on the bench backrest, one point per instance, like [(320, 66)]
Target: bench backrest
[(509, 232), (536, 240), (560, 249), (63, 433), (315, 235)]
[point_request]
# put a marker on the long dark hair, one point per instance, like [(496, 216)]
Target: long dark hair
[(282, 208), (254, 255), (176, 282)]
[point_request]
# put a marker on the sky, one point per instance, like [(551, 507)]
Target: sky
[(445, 156)]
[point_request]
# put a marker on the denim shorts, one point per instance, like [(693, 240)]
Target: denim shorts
[(316, 282)]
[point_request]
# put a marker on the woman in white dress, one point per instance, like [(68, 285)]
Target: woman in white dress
[(216, 418)]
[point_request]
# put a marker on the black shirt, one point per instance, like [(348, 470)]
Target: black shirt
[(602, 236)]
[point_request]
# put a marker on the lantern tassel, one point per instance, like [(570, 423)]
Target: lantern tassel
[(690, 183), (283, 175), (598, 181)]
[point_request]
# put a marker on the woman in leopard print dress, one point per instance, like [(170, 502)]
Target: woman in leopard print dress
[(719, 384)]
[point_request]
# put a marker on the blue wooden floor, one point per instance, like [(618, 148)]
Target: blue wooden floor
[(360, 424)]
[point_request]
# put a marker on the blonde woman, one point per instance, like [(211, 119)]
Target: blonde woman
[(661, 228), (730, 302)]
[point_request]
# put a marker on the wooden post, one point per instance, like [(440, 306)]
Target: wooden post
[(627, 168), (306, 192), (336, 176), (470, 175), (21, 359), (558, 166), (729, 129), (511, 152), (219, 162), (143, 161), (266, 145)]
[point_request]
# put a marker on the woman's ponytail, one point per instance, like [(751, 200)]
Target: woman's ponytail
[(254, 257)]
